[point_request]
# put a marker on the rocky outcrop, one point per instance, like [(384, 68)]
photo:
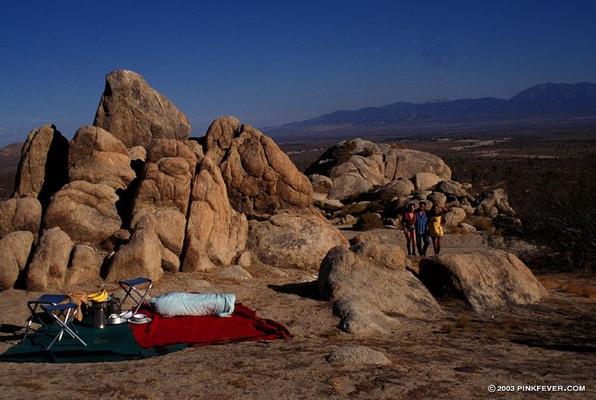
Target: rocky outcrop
[(136, 113), (358, 166), (85, 266), (20, 214), (85, 211), (141, 256), (370, 293), (354, 167), (43, 165), (260, 178), (400, 187), (320, 183), (453, 188), (96, 156), (408, 162), (167, 177), (50, 261), (169, 224), (15, 248), (215, 233), (426, 181), (485, 279), (137, 153), (294, 239)]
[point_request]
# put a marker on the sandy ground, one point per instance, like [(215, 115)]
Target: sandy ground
[(458, 357)]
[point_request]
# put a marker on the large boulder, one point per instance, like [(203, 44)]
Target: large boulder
[(49, 264), (141, 256), (454, 217), (356, 176), (136, 113), (453, 188), (169, 224), (20, 214), (85, 266), (43, 165), (408, 162), (259, 176), (215, 233), (96, 156), (425, 181), (15, 248), (296, 239), (85, 211), (372, 249), (397, 188), (486, 279), (370, 294), (495, 199), (320, 183), (437, 198), (166, 181), (354, 167)]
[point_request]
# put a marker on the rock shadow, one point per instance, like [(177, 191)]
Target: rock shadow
[(126, 198), (309, 290), (56, 168)]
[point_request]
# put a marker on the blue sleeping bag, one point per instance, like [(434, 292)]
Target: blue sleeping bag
[(197, 304)]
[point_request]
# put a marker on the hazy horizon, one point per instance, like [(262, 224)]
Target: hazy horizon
[(271, 63)]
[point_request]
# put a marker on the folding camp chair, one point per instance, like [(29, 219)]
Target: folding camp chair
[(38, 315), (63, 314), (132, 289)]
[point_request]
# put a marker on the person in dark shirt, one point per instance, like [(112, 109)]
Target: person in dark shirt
[(422, 240)]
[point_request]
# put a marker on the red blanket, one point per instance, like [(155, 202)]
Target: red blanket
[(243, 325)]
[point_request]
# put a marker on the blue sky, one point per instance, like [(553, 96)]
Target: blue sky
[(275, 62)]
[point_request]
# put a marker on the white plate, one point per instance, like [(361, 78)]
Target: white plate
[(139, 321)]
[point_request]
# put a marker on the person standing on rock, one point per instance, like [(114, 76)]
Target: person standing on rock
[(409, 225), (435, 226), (422, 240)]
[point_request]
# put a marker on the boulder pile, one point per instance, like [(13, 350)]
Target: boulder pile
[(134, 194), (368, 184)]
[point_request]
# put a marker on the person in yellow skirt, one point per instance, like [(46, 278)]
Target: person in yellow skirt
[(436, 219)]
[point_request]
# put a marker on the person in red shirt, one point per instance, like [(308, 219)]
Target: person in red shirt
[(409, 226)]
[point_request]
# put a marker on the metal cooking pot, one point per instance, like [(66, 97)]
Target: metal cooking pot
[(99, 313), (114, 307)]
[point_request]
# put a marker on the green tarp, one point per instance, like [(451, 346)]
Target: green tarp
[(113, 343)]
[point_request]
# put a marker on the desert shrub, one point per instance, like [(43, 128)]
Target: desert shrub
[(561, 214)]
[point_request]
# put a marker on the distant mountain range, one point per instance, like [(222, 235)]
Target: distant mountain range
[(544, 100)]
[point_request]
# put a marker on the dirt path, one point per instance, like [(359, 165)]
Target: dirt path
[(456, 357)]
